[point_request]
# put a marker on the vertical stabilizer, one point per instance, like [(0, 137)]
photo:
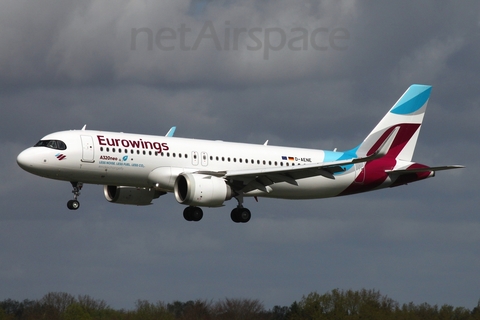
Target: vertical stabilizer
[(406, 118)]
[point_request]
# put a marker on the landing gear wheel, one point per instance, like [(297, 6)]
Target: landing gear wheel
[(197, 214), (193, 213), (73, 204), (234, 215), (187, 213), (240, 215)]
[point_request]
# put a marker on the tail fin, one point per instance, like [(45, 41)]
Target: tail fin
[(403, 120)]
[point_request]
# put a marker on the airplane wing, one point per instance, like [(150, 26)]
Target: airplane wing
[(261, 179), (248, 180)]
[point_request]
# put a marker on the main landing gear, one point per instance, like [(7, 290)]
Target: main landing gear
[(193, 213), (74, 204), (240, 214)]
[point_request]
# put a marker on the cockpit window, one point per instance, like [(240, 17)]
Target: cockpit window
[(53, 144)]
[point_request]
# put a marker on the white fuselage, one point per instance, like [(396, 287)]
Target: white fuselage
[(123, 159)]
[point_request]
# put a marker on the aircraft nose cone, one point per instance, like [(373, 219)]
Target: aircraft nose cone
[(24, 160)]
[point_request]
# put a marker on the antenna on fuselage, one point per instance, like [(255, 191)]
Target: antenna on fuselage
[(84, 127)]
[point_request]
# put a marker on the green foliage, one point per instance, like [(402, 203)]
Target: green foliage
[(336, 304), (191, 310), (76, 312), (151, 311), (366, 304), (238, 309), (370, 304)]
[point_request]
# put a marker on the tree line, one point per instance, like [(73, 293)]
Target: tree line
[(336, 304)]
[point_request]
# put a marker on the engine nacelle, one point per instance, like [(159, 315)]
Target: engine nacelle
[(201, 190), (130, 195)]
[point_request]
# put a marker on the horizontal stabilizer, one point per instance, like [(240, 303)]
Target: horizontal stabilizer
[(426, 169)]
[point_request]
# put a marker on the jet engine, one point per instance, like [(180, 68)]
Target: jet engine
[(201, 190), (130, 195)]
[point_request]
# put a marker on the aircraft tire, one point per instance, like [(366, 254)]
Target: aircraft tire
[(73, 204), (240, 215), (196, 213), (187, 213), (234, 215), (244, 215)]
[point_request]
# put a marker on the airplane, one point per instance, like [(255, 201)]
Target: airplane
[(135, 169)]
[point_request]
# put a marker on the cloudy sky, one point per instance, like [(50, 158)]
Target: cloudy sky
[(316, 74)]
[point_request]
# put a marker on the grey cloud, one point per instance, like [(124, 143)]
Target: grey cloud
[(63, 65)]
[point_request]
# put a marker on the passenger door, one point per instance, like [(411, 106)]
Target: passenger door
[(87, 149)]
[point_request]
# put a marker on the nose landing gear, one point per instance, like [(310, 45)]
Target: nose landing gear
[(74, 204)]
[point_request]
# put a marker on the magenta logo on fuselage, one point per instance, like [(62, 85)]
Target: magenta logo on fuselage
[(60, 156), (128, 143)]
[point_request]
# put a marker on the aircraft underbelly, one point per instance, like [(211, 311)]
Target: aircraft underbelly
[(111, 175)]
